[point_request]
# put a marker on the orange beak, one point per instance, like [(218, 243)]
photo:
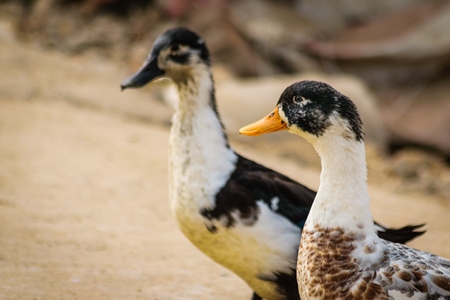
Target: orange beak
[(270, 123)]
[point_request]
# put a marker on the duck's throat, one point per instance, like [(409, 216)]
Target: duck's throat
[(342, 199), (199, 155)]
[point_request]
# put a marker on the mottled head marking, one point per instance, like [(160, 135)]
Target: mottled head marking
[(309, 105), (179, 46), (175, 54)]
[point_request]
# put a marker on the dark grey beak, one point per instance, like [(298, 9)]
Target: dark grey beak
[(149, 72)]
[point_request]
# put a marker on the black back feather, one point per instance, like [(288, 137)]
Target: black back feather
[(251, 182)]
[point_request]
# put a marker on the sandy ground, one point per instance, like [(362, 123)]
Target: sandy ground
[(83, 189)]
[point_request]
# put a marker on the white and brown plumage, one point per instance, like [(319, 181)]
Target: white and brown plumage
[(243, 215), (340, 255)]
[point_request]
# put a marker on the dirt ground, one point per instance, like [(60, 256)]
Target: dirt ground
[(83, 189)]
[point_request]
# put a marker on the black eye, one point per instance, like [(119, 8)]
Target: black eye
[(297, 99), (175, 48), (180, 58)]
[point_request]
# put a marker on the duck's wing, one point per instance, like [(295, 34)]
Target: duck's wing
[(405, 272), (251, 184), (281, 194)]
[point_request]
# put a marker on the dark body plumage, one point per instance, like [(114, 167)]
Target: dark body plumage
[(243, 215)]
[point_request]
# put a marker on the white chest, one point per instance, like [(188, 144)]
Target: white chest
[(200, 164)]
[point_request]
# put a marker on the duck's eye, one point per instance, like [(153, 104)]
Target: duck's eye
[(175, 48), (297, 99)]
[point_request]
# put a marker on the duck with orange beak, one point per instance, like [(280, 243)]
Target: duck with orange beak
[(341, 256)]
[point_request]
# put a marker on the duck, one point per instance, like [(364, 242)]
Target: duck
[(341, 255), (242, 215)]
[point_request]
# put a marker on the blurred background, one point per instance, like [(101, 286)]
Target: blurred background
[(83, 189)]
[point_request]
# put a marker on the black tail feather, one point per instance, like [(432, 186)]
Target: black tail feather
[(400, 235), (256, 296)]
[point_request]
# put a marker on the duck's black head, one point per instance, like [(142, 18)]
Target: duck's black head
[(311, 107), (173, 55)]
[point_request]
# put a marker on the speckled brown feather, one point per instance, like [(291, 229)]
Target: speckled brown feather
[(411, 271), (329, 269)]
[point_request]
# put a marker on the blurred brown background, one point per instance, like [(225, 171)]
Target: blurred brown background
[(83, 190)]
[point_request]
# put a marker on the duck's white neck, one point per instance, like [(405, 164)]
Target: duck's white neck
[(196, 91), (200, 158), (342, 199)]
